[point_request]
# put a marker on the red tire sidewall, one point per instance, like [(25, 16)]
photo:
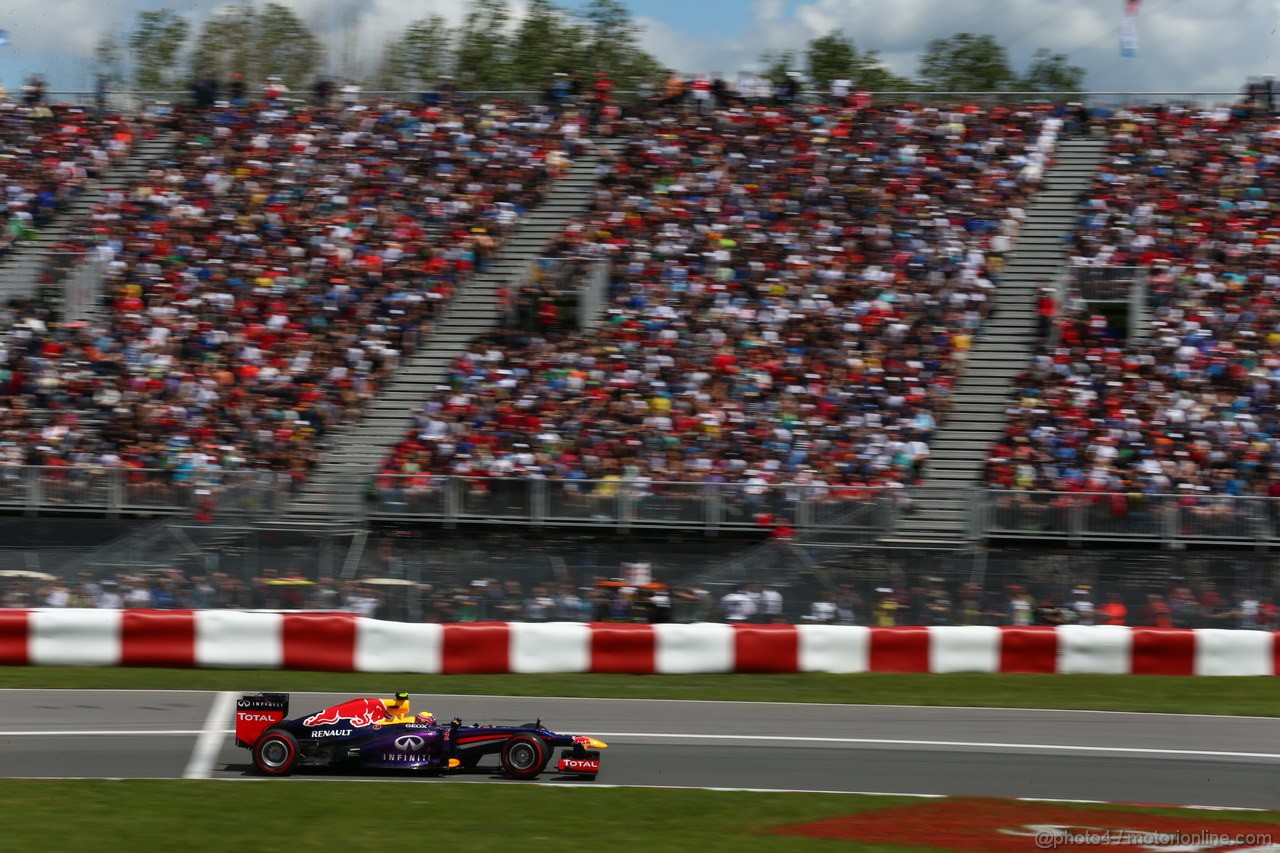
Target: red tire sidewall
[(537, 744), (284, 769)]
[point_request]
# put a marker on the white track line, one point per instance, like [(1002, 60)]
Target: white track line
[(780, 704), (1039, 747), (209, 742)]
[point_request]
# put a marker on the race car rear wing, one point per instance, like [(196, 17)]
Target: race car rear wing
[(256, 713)]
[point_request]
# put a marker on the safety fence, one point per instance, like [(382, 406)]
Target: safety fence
[(1189, 517), (626, 503), (49, 489), (345, 643)]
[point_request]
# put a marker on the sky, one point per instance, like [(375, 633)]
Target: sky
[(1184, 45)]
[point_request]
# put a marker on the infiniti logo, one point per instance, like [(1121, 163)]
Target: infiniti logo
[(409, 743)]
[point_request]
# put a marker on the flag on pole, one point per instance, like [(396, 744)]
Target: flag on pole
[(1129, 29)]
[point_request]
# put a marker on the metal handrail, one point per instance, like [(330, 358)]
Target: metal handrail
[(622, 504), (115, 491), (1190, 517)]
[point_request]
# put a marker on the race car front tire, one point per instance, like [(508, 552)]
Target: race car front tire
[(525, 756), (276, 753)]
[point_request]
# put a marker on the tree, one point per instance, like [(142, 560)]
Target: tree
[(226, 45), (831, 57), (483, 51), (777, 64), (540, 45), (156, 40), (486, 52), (966, 63), (614, 43), (1051, 72), (286, 46), (421, 55), (834, 57), (256, 45), (108, 58)]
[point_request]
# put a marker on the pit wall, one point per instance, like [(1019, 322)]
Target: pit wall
[(341, 642)]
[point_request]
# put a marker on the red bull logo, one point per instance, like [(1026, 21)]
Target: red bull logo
[(357, 712)]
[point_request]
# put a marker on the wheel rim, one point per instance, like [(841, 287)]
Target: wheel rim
[(275, 753), (522, 756)]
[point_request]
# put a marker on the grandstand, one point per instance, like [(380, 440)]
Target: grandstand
[(817, 338)]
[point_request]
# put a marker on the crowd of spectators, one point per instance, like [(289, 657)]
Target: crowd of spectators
[(49, 154), (794, 290), (266, 278), (1189, 409), (931, 602)]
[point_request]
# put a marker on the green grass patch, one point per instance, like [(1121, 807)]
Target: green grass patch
[(351, 816), (1168, 694)]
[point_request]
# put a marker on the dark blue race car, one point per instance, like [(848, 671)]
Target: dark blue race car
[(383, 733)]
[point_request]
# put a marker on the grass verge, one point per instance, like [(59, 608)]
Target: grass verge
[(1164, 694), (351, 816)]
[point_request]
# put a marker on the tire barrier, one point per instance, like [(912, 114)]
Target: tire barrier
[(342, 642)]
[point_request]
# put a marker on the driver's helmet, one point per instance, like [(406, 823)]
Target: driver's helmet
[(426, 718)]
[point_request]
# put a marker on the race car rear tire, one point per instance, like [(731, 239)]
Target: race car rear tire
[(524, 756), (276, 753)]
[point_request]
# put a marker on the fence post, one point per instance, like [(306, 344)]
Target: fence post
[(1173, 523), (115, 493), (978, 511), (978, 566), (34, 488), (452, 503), (624, 501), (1269, 519), (889, 502), (1259, 528), (714, 507), (804, 512), (537, 502), (1078, 520)]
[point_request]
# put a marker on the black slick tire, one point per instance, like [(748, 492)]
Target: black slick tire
[(276, 753), (524, 756)]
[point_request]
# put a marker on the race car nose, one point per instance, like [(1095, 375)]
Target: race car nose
[(597, 744)]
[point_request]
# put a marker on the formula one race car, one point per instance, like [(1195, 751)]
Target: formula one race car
[(383, 733)]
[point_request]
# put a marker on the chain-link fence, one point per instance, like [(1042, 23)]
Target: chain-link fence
[(417, 574)]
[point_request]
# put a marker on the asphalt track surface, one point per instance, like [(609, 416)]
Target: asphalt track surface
[(1148, 758)]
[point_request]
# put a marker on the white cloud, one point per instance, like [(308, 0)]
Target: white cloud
[(1186, 45)]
